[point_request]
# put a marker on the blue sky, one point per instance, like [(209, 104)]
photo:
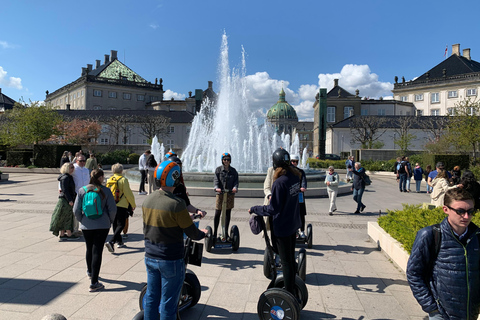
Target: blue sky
[(302, 45)]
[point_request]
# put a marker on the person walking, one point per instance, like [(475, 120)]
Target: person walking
[(440, 185), (427, 171), (62, 217), (285, 213), (409, 173), (95, 231), (91, 163), (81, 177), (142, 166), (443, 268), (64, 159), (349, 164), (165, 219), (418, 176), (358, 186), (402, 175), (126, 199), (301, 196), (331, 180), (150, 165), (225, 178)]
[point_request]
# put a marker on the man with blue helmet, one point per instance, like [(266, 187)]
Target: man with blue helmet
[(165, 219)]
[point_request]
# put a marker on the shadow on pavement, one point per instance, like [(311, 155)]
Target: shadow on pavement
[(358, 283), (31, 291)]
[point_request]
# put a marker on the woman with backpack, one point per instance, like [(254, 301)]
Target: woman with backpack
[(123, 195), (95, 227)]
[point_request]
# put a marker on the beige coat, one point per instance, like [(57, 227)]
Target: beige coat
[(267, 185), (440, 186)]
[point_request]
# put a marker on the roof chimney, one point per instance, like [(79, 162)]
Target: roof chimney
[(466, 54), (0, 91), (456, 49), (107, 58), (89, 67), (97, 64), (113, 54), (210, 85), (335, 82), (84, 71)]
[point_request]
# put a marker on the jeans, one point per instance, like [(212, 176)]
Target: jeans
[(164, 285), (409, 178), (142, 180), (403, 182), (357, 197), (429, 188), (418, 184), (332, 195), (94, 240)]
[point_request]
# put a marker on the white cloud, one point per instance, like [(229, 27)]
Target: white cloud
[(6, 45), (11, 82), (154, 26), (169, 94)]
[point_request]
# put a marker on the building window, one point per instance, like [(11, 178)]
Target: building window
[(127, 96), (171, 129), (347, 112), (331, 114), (419, 97), (471, 111), (97, 108), (97, 93), (104, 141), (471, 92), (450, 111), (452, 94), (140, 97), (169, 143), (82, 93), (435, 112), (305, 136), (419, 112), (112, 94), (364, 112), (380, 112), (435, 97), (404, 98), (144, 141), (153, 98)]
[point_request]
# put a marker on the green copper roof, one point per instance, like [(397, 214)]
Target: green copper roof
[(282, 109), (116, 69)]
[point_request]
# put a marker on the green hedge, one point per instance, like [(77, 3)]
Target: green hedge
[(133, 158), (403, 224), (19, 157), (450, 160), (113, 157), (49, 155)]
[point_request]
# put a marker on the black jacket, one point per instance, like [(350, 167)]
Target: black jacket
[(358, 182), (67, 186), (222, 175)]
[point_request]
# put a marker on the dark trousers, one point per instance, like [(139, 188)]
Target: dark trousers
[(303, 212), (402, 184), (216, 221), (285, 247), (142, 180), (95, 240), (119, 224)]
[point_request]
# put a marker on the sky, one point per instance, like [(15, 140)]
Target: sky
[(298, 45)]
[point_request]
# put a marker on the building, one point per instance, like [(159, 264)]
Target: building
[(305, 135), (282, 116), (437, 91), (5, 102)]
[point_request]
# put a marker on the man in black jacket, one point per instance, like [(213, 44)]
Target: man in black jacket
[(443, 269), (358, 186)]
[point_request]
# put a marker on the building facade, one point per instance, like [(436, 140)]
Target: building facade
[(437, 91)]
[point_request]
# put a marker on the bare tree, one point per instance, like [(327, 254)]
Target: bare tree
[(117, 127), (153, 125), (402, 126), (434, 126), (367, 129)]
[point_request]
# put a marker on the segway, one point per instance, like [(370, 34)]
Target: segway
[(308, 239), (191, 289), (301, 263), (233, 242), (276, 302)]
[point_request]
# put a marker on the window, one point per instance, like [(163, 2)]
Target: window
[(471, 111), (97, 93), (144, 141), (169, 143), (112, 94), (452, 94), (153, 98), (450, 111), (435, 98), (306, 136), (104, 141), (82, 93), (471, 92), (140, 97), (331, 114), (435, 112), (380, 112), (171, 129), (127, 96), (364, 112), (419, 97), (404, 98), (347, 112), (419, 112), (97, 108)]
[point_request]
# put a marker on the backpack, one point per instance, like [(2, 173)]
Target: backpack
[(112, 184), (151, 162), (92, 203), (367, 180), (401, 167)]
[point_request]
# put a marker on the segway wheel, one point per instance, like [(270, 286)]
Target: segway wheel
[(267, 271), (276, 303), (309, 236), (138, 316), (191, 291), (302, 264), (235, 234), (209, 239), (300, 286), (141, 299)]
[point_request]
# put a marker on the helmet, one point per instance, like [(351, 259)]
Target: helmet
[(167, 174), (280, 158), (176, 160), (226, 154), (170, 154), (294, 157)]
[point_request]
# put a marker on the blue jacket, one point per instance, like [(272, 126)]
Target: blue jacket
[(452, 287), (418, 173), (284, 206)]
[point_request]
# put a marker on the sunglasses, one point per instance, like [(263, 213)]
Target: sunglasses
[(295, 161), (81, 160), (461, 212), (227, 159)]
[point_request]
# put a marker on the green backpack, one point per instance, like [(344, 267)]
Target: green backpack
[(92, 203)]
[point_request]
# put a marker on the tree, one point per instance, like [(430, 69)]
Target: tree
[(116, 125), (84, 132), (29, 124), (402, 126), (151, 126), (367, 130), (464, 127)]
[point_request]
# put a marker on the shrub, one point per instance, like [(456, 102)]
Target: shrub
[(403, 224), (113, 157), (323, 164), (133, 158)]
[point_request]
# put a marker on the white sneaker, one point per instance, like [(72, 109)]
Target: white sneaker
[(302, 235), (142, 193)]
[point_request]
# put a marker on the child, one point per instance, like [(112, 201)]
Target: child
[(418, 175)]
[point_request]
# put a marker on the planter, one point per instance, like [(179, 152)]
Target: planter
[(391, 247), (4, 176)]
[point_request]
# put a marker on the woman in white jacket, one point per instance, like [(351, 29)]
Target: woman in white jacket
[(440, 185), (331, 180)]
